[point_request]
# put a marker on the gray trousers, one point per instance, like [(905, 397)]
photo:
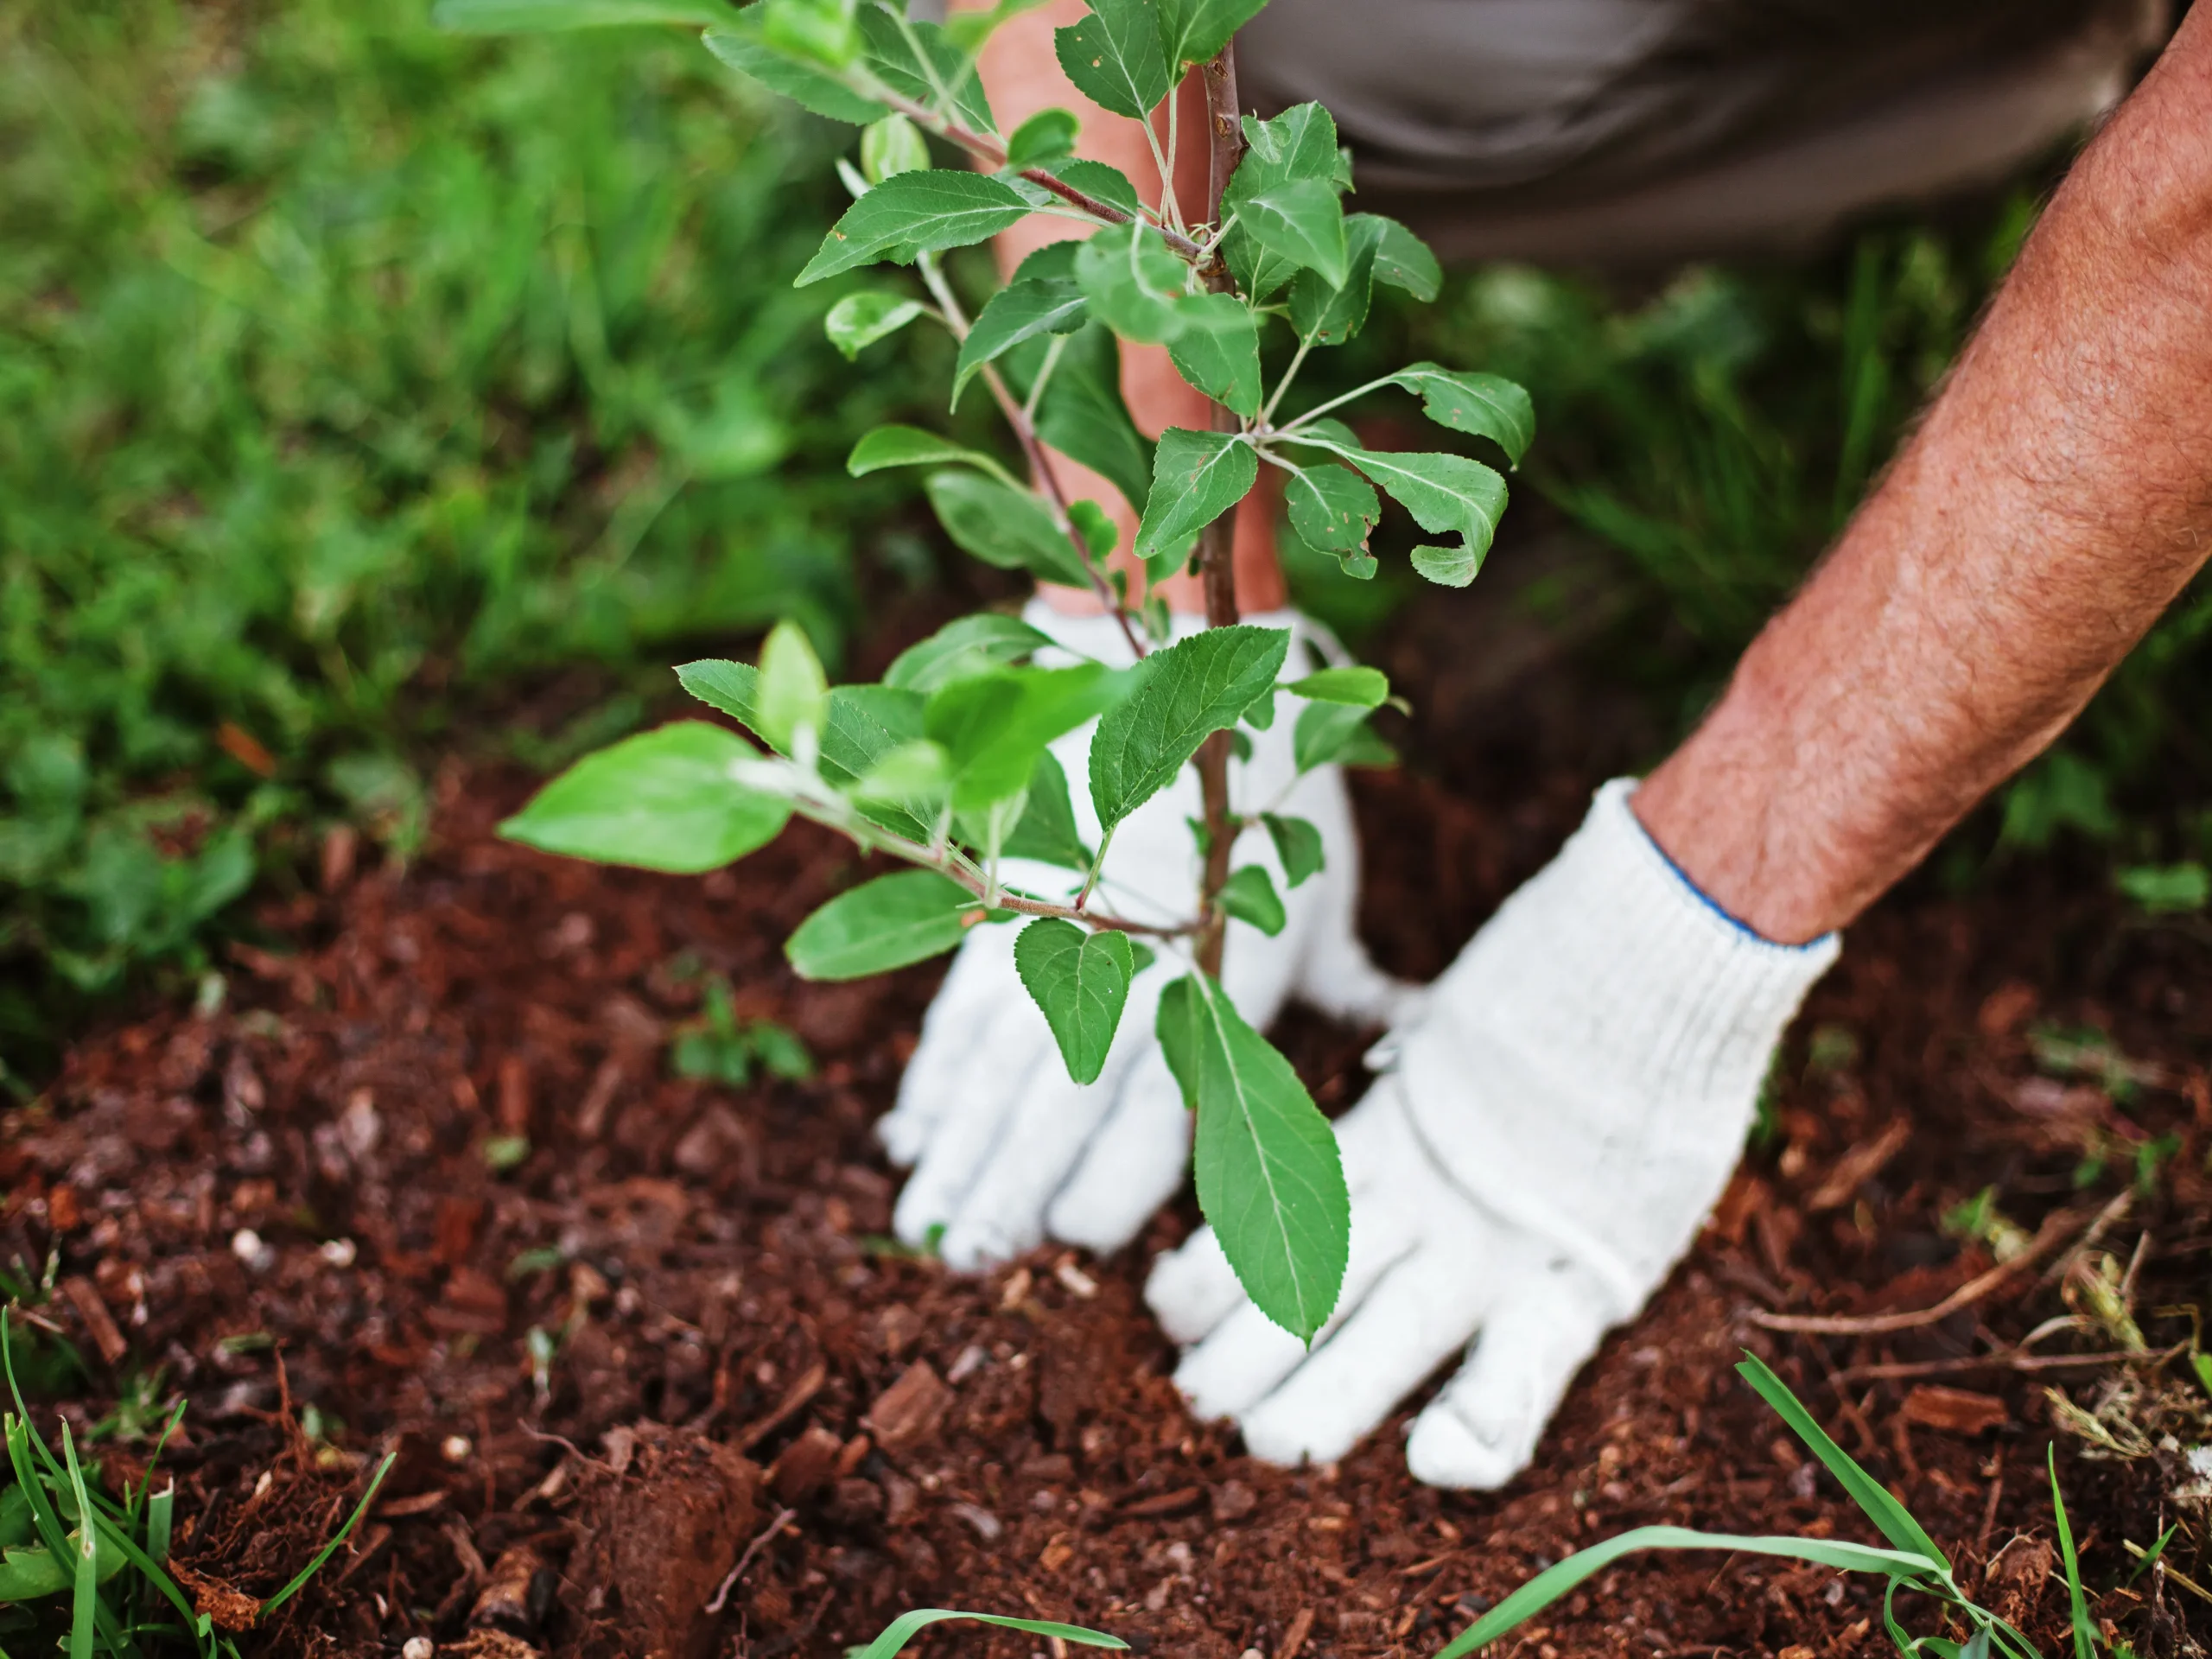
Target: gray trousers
[(1631, 132)]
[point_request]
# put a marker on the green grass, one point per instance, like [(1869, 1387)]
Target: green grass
[(87, 1572), (350, 372)]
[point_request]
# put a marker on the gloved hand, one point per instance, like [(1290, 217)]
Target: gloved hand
[(1007, 1151), (1551, 1131)]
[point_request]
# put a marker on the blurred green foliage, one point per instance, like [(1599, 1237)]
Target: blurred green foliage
[(1719, 432), (346, 369), (351, 372)]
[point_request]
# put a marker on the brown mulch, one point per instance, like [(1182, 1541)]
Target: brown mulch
[(425, 1184)]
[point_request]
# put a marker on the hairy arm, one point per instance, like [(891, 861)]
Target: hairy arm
[(2056, 499), (1021, 75)]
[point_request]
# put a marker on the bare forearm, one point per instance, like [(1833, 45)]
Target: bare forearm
[(2057, 497)]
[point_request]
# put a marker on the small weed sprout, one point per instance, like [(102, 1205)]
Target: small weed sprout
[(944, 766)]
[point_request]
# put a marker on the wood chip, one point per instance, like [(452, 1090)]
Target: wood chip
[(807, 1466), (1185, 1497), (1953, 1411), (516, 1593), (1302, 1626), (415, 1503), (1858, 1167), (794, 1400), (99, 1324), (908, 1413)]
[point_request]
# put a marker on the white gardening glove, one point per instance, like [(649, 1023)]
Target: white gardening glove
[(1553, 1126), (1007, 1150)]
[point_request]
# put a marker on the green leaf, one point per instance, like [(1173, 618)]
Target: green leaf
[(911, 212), (882, 925), (1298, 843), (2085, 1641), (1083, 415), (532, 17), (914, 777), (1116, 56), (791, 692), (1047, 832), (1046, 137), (861, 319), (1301, 221), (1196, 477), (816, 31), (862, 723), (995, 725), (1269, 1178), (739, 44), (1486, 405), (901, 1629), (1890, 1518), (1216, 349), (1012, 529), (1326, 315), (891, 146), (1096, 526), (968, 30), (893, 57), (1404, 260), (1337, 733), (1448, 567), (1445, 493), (1300, 144), (1360, 686), (1081, 981), (2166, 889), (1023, 309), (663, 800), (1332, 508), (1100, 182), (1198, 28), (1133, 282), (1250, 895), (911, 446), (969, 646), (1184, 693), (1556, 1581)]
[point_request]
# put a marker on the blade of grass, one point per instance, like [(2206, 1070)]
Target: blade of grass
[(903, 1629), (22, 1411), (87, 1602), (2142, 1565), (2085, 1644), (51, 1532), (1889, 1517), (330, 1548), (158, 1576), (161, 1508), (1555, 1580)]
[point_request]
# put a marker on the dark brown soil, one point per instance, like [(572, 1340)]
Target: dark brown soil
[(587, 1359)]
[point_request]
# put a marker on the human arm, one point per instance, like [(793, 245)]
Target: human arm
[(2057, 497), (1551, 1131)]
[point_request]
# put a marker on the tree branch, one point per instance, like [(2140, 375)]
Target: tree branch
[(1218, 542), (1025, 431), (992, 154)]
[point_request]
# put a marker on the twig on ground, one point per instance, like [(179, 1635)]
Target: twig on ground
[(2009, 1359), (2058, 1227), (784, 1518)]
